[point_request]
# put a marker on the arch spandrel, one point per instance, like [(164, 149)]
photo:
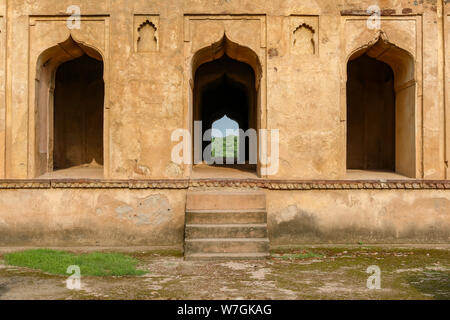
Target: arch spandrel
[(206, 31), (400, 60), (60, 33), (233, 50), (401, 32), (65, 51)]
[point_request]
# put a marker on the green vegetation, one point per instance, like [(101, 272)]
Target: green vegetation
[(91, 264), (295, 272), (225, 147)]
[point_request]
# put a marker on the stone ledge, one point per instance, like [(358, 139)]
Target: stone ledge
[(89, 184), (384, 12), (25, 184), (229, 183), (159, 184)]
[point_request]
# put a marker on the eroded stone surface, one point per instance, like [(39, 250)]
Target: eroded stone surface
[(298, 51), (338, 273), (296, 55)]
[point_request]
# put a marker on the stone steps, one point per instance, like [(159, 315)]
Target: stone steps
[(226, 226), (257, 216), (202, 231), (222, 200), (253, 245), (226, 256)]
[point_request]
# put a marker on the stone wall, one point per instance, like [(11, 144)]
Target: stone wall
[(376, 216), (299, 51), (155, 217), (80, 217), (300, 48)]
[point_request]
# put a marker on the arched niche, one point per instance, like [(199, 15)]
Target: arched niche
[(403, 67), (71, 55), (223, 66)]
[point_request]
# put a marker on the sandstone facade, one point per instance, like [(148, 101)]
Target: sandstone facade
[(87, 116)]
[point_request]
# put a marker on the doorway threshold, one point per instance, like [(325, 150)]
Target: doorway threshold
[(79, 172), (204, 171)]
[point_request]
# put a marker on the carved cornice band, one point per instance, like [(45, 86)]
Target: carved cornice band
[(229, 183)]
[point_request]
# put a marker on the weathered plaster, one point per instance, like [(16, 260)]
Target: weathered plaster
[(149, 95), (124, 217), (91, 217), (345, 217)]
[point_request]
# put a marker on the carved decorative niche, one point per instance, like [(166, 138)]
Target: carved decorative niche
[(146, 33), (304, 35)]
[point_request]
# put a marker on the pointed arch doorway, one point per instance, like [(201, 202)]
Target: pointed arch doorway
[(381, 111), (226, 79), (69, 121)]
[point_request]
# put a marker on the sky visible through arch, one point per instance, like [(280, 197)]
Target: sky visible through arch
[(222, 147), (223, 125)]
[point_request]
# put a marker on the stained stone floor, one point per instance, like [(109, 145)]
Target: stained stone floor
[(312, 272)]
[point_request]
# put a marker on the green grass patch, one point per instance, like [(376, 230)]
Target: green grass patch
[(91, 264)]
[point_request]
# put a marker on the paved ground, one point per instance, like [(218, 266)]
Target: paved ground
[(335, 273)]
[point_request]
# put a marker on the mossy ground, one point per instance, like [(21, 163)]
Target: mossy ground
[(341, 273), (296, 273)]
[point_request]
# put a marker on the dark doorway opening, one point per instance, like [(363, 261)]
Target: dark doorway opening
[(78, 114), (371, 115), (226, 88)]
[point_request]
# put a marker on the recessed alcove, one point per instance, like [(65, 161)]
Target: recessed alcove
[(381, 125), (69, 107)]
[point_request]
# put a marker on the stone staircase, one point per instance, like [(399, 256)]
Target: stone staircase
[(226, 226)]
